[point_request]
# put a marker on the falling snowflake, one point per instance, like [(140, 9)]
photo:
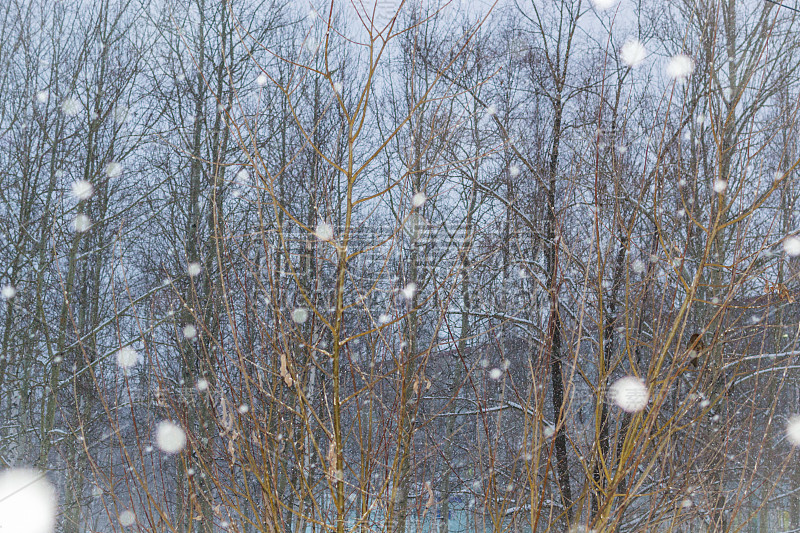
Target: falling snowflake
[(633, 53), (720, 186), (418, 199), (201, 385), (170, 437), (311, 45), (629, 393), (409, 291), (495, 373), (82, 189), (791, 245), (262, 80), (189, 331), (491, 110), (27, 502), (70, 107), (127, 518), (193, 269), (8, 292), (243, 409), (127, 357), (324, 231), (680, 67), (113, 170), (81, 223), (300, 315), (42, 97), (243, 176), (337, 86), (602, 5), (513, 171), (121, 114), (793, 430)]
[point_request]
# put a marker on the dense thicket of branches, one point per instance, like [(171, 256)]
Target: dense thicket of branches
[(384, 265)]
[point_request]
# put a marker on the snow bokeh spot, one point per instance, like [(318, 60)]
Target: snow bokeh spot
[(127, 518), (113, 170), (791, 245), (189, 331), (633, 53), (629, 394), (193, 269), (170, 437), (324, 231), (81, 223), (127, 357), (680, 67), (70, 107), (409, 291), (27, 502), (8, 292), (121, 114), (300, 315), (602, 5), (793, 430), (82, 189), (418, 199)]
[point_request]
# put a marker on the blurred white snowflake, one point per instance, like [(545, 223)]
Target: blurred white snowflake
[(127, 518), (299, 315), (680, 67), (8, 291), (170, 437), (633, 53), (791, 245), (602, 5), (127, 357), (324, 231), (81, 223), (189, 331), (629, 394), (793, 430), (70, 107), (82, 189), (27, 502), (113, 170)]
